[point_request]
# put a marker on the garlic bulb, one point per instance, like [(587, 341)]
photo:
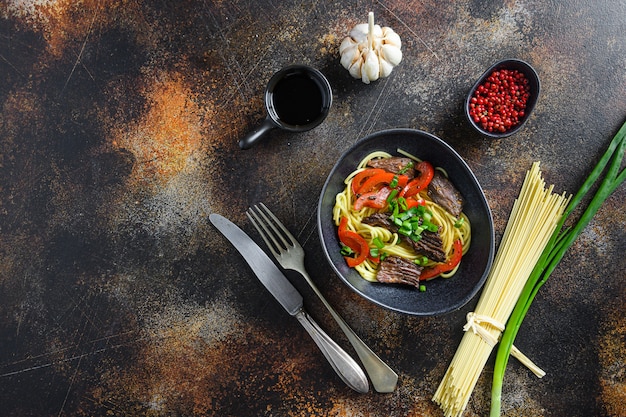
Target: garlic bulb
[(370, 52)]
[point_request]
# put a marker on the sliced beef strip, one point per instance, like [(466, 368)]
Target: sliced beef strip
[(394, 164), (430, 245), (396, 270), (380, 220), (443, 192)]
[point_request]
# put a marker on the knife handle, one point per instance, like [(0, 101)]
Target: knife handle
[(346, 367)]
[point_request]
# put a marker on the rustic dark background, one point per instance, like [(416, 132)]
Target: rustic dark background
[(119, 124)]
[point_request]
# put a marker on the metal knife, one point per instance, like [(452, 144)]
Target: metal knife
[(287, 295)]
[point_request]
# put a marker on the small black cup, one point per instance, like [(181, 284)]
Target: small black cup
[(297, 99)]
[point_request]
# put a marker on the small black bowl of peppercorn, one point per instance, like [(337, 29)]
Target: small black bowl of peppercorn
[(502, 99)]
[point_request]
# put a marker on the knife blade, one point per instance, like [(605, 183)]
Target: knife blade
[(263, 267), (291, 300)]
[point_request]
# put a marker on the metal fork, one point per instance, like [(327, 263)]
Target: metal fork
[(290, 255)]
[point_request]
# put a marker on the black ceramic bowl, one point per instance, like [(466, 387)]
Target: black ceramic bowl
[(533, 79), (442, 295)]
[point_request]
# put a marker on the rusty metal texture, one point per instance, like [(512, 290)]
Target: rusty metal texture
[(119, 125)]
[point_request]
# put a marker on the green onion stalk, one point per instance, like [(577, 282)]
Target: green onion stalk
[(559, 243)]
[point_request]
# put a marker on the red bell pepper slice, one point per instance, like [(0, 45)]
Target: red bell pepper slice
[(373, 199), (414, 202), (343, 226), (355, 242), (362, 176), (419, 183), (383, 178), (435, 271)]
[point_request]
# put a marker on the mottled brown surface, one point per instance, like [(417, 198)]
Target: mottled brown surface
[(119, 125)]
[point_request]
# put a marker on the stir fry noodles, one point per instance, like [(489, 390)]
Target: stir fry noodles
[(400, 220)]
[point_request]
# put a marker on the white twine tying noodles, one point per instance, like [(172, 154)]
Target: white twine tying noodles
[(475, 324)]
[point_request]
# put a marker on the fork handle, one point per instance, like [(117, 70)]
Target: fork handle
[(383, 377), (347, 369)]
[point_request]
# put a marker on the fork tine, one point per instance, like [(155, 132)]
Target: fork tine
[(286, 232), (276, 233), (263, 231), (268, 224), (273, 225)]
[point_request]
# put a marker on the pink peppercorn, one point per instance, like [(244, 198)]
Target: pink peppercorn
[(499, 103)]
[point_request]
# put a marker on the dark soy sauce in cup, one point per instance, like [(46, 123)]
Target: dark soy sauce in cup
[(298, 99)]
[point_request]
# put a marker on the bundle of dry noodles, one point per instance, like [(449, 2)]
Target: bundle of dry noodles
[(533, 219)]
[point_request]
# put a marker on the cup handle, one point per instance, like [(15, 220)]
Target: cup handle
[(255, 136)]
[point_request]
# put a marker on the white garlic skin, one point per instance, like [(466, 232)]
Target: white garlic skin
[(377, 62)]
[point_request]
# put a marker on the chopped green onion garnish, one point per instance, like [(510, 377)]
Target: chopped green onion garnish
[(378, 243), (402, 203), (406, 168), (394, 182), (422, 288), (346, 250), (431, 227), (392, 195), (459, 223), (414, 211), (396, 209)]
